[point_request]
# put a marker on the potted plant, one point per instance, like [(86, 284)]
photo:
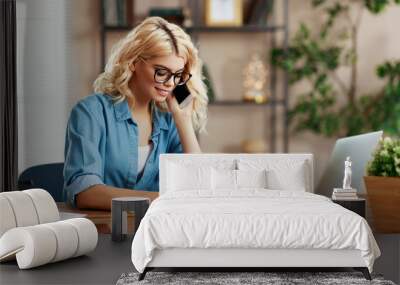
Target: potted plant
[(328, 103), (383, 186)]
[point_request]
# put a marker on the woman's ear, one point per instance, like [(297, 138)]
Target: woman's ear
[(132, 66)]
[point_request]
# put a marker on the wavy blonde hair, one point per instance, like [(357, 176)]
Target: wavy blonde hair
[(154, 37)]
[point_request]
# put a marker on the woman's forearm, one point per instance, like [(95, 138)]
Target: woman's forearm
[(99, 196), (187, 135)]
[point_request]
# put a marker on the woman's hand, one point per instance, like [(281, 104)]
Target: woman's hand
[(178, 113), (100, 196), (183, 121)]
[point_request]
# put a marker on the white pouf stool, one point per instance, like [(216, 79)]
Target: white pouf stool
[(31, 233)]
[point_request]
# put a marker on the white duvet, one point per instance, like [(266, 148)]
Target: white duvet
[(252, 218)]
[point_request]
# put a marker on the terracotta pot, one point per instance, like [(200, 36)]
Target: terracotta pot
[(383, 194)]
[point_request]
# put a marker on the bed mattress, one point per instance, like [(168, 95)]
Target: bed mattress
[(250, 219)]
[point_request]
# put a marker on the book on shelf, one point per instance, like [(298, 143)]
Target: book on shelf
[(341, 190), (173, 14), (257, 12), (339, 197), (118, 12), (110, 12), (344, 194)]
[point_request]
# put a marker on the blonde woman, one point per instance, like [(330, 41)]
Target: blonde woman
[(115, 136)]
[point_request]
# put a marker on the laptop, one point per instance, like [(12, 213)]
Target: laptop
[(360, 149)]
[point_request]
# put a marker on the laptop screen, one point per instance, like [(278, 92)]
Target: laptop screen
[(360, 149)]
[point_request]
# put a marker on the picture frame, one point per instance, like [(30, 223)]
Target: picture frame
[(223, 13)]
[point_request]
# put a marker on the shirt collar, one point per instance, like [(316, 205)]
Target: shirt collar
[(159, 119), (122, 112)]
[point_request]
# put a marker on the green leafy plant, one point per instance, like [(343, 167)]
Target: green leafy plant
[(314, 57), (386, 159)]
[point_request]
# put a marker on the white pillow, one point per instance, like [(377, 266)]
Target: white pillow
[(223, 179), (220, 163), (182, 177), (251, 178), (227, 179), (282, 174), (293, 180)]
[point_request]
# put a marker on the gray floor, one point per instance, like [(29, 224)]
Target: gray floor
[(111, 259), (103, 266), (389, 262)]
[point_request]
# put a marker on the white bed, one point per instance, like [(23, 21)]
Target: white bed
[(241, 210)]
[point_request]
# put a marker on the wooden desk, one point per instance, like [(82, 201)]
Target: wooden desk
[(102, 219)]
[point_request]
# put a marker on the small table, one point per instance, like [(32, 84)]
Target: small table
[(355, 205), (138, 205)]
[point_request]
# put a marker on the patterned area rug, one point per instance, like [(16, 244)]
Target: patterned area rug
[(230, 278)]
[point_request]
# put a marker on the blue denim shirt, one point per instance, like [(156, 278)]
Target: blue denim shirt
[(101, 147)]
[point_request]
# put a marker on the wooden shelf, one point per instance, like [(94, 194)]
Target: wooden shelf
[(117, 28), (205, 29), (244, 103), (270, 27), (242, 29)]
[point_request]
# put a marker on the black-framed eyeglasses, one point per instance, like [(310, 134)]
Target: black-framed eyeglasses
[(163, 75)]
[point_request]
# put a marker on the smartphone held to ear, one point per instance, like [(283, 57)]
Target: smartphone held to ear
[(182, 95)]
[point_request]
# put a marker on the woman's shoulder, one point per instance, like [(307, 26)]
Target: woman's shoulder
[(95, 101), (94, 105)]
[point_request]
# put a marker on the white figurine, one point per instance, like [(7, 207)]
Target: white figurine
[(347, 174)]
